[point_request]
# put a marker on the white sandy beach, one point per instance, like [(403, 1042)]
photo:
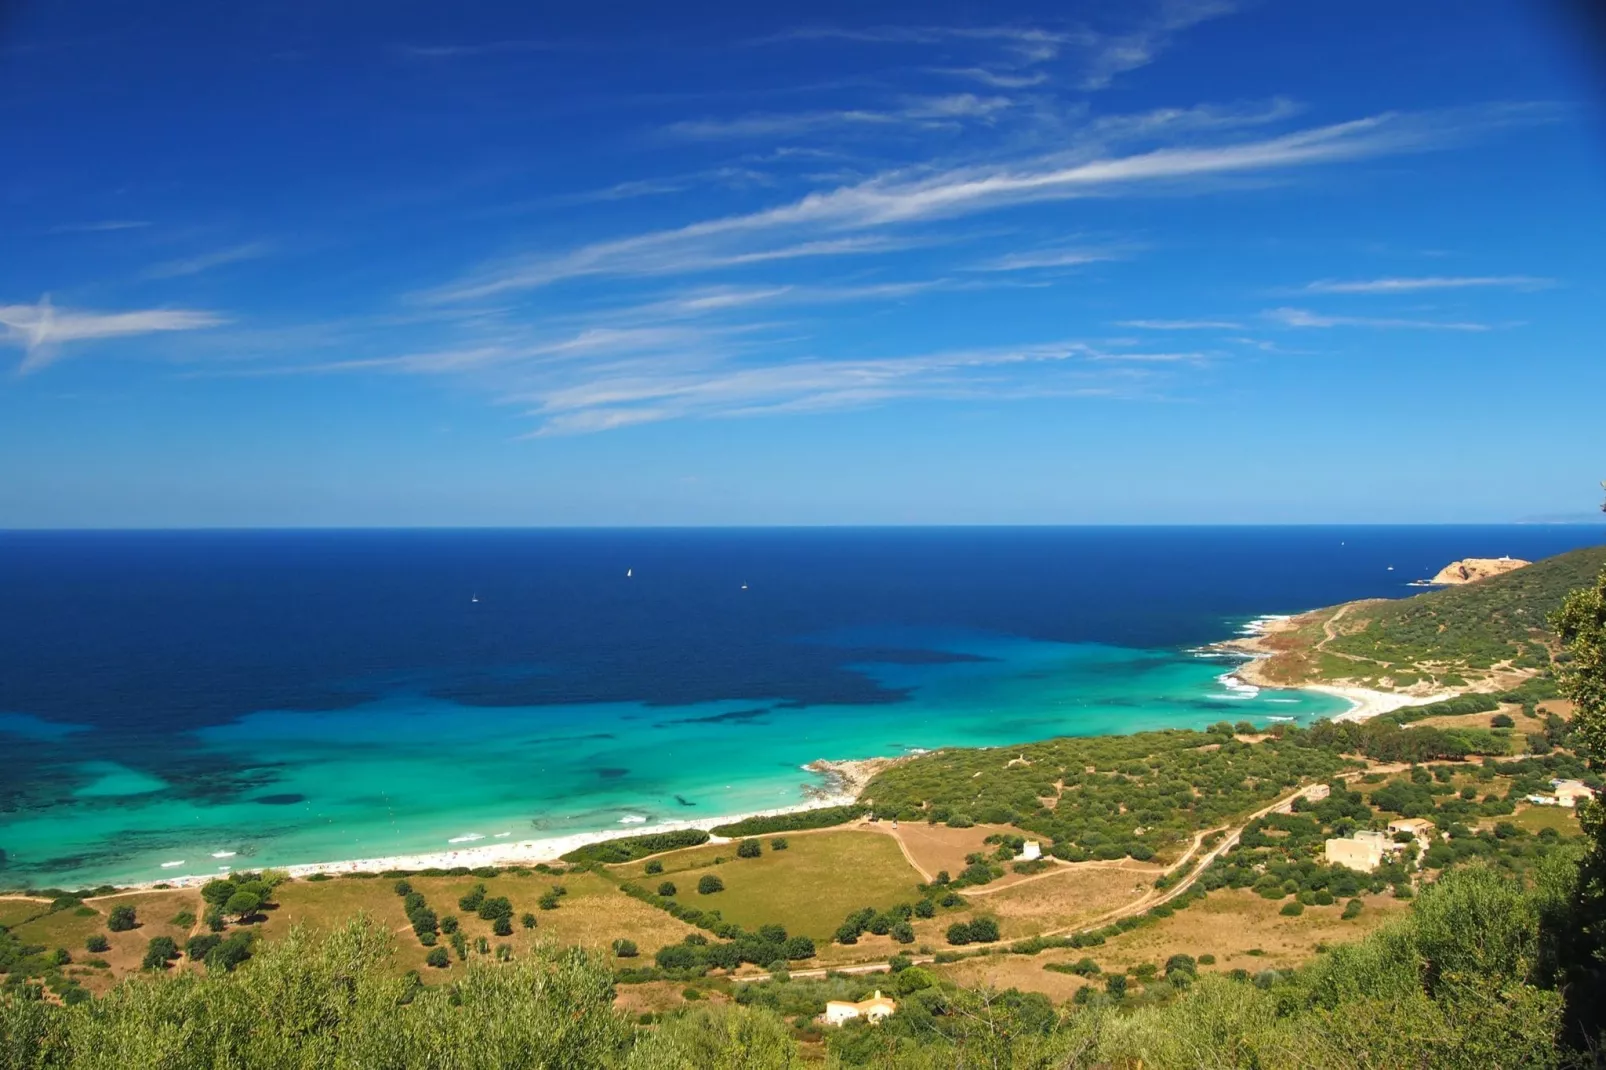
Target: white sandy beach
[(845, 779)]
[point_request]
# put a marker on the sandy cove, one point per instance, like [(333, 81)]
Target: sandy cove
[(1365, 703), (844, 780)]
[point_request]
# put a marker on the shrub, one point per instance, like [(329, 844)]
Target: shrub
[(449, 924), (749, 849), (198, 947), (903, 932), (402, 888), (159, 952), (1292, 909), (925, 908), (799, 947), (122, 919), (667, 889), (470, 902), (708, 884), (527, 920), (495, 908), (1502, 720), (625, 949), (97, 944), (502, 927), (630, 848), (438, 958), (549, 901), (959, 934), (182, 920), (778, 843), (242, 904), (1207, 959), (1115, 985), (654, 867), (229, 953)]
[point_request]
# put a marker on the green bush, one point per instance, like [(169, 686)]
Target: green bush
[(97, 944), (122, 919), (708, 884)]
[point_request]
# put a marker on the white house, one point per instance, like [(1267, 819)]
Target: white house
[(1363, 851), (871, 1010), (1570, 792), (1030, 851)]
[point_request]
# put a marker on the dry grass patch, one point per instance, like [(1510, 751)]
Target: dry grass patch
[(1072, 895), (592, 915), (14, 912), (1230, 923), (938, 847)]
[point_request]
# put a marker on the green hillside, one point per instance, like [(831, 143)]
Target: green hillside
[(1471, 628)]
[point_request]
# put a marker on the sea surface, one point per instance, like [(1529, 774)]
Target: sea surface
[(174, 703)]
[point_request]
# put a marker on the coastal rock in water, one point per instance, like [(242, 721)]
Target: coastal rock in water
[(1472, 569)]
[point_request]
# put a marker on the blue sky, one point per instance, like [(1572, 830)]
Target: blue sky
[(1166, 261)]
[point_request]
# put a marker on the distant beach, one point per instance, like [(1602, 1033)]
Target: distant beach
[(845, 780)]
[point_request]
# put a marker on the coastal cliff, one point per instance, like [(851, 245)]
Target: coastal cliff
[(1488, 632), (1473, 569)]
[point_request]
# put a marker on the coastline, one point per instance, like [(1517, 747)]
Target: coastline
[(844, 781), (1365, 703)]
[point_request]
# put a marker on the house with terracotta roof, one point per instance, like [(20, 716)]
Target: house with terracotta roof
[(872, 1010)]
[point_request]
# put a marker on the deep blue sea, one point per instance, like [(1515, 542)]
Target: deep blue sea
[(204, 699)]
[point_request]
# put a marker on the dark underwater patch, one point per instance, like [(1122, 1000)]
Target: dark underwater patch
[(611, 772), (288, 798)]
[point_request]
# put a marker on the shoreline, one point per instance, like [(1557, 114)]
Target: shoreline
[(1365, 703), (844, 781)]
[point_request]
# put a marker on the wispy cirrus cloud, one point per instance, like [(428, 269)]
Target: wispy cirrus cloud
[(195, 265), (907, 196), (1299, 317), (1431, 282), (1047, 258), (100, 227), (1182, 325), (634, 393), (42, 329), (919, 111), (469, 50)]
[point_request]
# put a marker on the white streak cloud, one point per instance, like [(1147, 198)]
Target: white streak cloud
[(195, 265), (1298, 317), (1432, 282), (41, 329)]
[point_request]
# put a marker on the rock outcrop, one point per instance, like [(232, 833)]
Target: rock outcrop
[(1476, 568)]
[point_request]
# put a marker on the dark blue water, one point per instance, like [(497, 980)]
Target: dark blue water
[(166, 656)]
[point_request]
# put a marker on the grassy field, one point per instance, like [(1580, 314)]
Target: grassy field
[(1537, 818), (810, 887), (1070, 897), (593, 914), (1239, 928), (70, 929)]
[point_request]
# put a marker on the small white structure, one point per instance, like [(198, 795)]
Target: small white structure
[(871, 1010), (1030, 851), (1541, 800), (1363, 851), (1318, 792), (1569, 792), (1423, 830)]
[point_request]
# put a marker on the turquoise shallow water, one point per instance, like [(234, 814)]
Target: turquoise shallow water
[(267, 698), (409, 773)]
